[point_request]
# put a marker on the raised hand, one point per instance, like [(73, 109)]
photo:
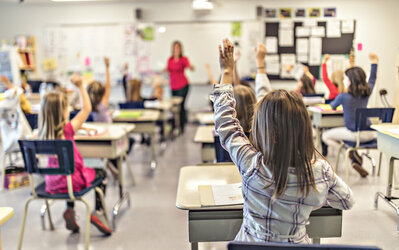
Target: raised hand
[(373, 58), (4, 79), (226, 60), (260, 51), (106, 62), (326, 58), (77, 80)]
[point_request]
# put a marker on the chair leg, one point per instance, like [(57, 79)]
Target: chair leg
[(338, 156), (129, 169), (379, 164), (49, 215), (21, 234), (87, 223), (100, 192), (347, 164)]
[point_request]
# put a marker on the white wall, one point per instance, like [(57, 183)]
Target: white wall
[(377, 21)]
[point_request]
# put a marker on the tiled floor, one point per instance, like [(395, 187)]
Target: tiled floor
[(153, 221)]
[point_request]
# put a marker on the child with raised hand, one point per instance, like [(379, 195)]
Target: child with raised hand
[(335, 85), (284, 177), (306, 83), (54, 124), (25, 104), (357, 96)]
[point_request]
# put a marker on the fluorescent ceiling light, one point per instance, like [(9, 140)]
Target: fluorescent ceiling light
[(80, 0), (202, 5)]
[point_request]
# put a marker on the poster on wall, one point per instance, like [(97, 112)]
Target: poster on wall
[(236, 29), (285, 12), (314, 12), (300, 12), (271, 13), (330, 12)]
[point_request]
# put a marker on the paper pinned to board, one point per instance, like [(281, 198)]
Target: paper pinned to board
[(333, 28), (271, 44), (288, 62), (286, 24), (309, 22), (302, 58), (302, 46), (302, 31), (273, 64), (286, 37), (318, 31), (348, 26), (315, 51)]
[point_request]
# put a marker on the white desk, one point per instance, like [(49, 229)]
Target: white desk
[(112, 144), (325, 119), (204, 135), (207, 224), (6, 213), (205, 118), (144, 124), (388, 143)]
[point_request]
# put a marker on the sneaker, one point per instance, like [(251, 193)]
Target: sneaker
[(70, 220), (97, 219), (363, 172), (355, 157)]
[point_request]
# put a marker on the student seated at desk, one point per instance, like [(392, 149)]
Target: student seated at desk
[(54, 124), (284, 178), (306, 83), (25, 104), (356, 97), (336, 84)]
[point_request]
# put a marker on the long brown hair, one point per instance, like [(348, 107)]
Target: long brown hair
[(96, 93), (282, 132), (337, 78), (51, 117), (307, 85), (359, 86), (134, 91), (181, 48), (245, 102)]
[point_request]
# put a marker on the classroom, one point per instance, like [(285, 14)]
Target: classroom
[(199, 124)]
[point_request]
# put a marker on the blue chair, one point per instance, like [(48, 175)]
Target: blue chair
[(221, 154), (73, 113), (33, 151), (131, 105), (32, 120), (363, 124), (290, 246), (313, 95)]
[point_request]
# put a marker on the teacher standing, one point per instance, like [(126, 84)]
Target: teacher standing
[(177, 64)]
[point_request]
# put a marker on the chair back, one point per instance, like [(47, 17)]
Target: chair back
[(291, 246), (62, 149), (72, 114), (363, 114), (221, 154), (131, 105), (314, 95), (32, 120)]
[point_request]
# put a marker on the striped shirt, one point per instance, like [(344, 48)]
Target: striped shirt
[(264, 219)]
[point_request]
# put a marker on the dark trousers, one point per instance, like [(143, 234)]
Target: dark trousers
[(100, 173), (183, 114)]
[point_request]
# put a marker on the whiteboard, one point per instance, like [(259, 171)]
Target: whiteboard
[(200, 44)]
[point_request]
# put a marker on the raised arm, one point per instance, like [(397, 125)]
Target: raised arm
[(232, 136), (373, 72), (107, 86), (339, 195), (262, 83), (81, 117), (331, 87), (210, 75), (236, 77)]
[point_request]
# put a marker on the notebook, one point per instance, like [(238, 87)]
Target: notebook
[(127, 114), (220, 195)]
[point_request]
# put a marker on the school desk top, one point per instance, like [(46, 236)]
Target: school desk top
[(112, 131), (193, 176), (205, 118), (325, 109), (204, 134), (387, 128), (136, 115), (6, 213)]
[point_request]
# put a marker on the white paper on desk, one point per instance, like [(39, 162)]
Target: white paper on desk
[(301, 31), (151, 104), (302, 58), (302, 45), (315, 51), (286, 24), (348, 26), (286, 37), (288, 63), (333, 28), (309, 22), (229, 194), (83, 131), (318, 31), (271, 44)]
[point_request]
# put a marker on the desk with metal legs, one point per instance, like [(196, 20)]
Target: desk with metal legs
[(144, 124), (388, 143), (204, 135), (207, 224)]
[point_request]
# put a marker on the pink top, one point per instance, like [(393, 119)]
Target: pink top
[(334, 92), (176, 72), (83, 176)]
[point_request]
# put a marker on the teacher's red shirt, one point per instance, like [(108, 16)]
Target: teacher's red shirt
[(176, 72)]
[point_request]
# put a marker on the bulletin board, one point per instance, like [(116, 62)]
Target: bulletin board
[(329, 45)]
